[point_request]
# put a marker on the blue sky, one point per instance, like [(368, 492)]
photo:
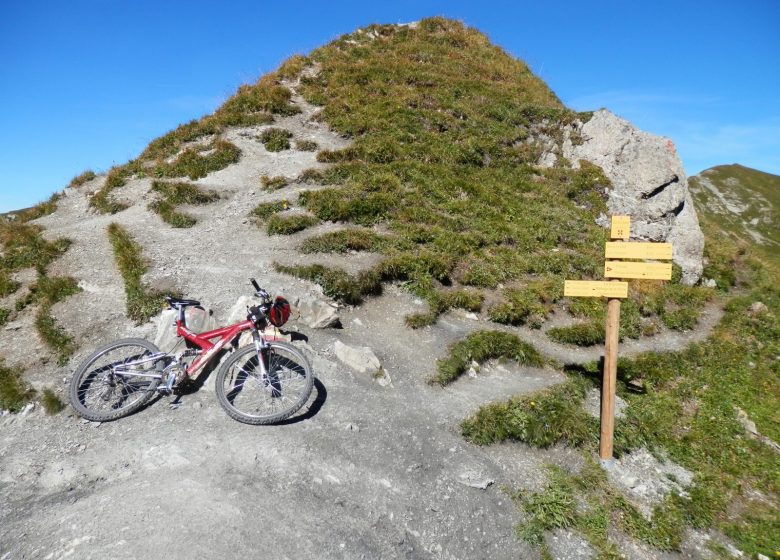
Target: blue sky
[(86, 84)]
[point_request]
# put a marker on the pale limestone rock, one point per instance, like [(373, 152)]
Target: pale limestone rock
[(648, 184)]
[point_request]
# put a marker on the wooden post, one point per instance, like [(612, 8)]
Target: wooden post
[(609, 379), (614, 267), (620, 228)]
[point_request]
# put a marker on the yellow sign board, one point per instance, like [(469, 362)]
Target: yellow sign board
[(655, 251), (581, 288), (644, 271), (621, 227)]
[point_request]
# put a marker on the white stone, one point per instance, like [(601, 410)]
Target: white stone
[(360, 358), (317, 313), (198, 320)]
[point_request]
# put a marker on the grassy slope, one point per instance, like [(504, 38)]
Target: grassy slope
[(688, 411), (756, 192), (438, 116), (22, 246)]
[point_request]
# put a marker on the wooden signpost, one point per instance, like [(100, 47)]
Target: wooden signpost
[(614, 291)]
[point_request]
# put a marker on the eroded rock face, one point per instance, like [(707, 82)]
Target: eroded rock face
[(648, 184)]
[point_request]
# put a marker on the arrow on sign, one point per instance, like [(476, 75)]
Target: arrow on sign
[(584, 288), (644, 271)]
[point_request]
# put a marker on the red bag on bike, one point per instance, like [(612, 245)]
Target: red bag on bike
[(280, 312)]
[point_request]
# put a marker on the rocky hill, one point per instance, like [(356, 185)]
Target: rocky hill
[(419, 193), (742, 202)]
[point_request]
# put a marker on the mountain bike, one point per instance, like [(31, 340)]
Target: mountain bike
[(262, 383)]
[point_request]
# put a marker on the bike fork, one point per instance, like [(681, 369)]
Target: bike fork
[(270, 379)]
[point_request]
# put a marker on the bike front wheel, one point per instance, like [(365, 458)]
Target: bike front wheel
[(116, 380), (250, 396)]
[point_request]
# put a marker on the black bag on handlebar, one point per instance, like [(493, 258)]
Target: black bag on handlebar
[(279, 312)]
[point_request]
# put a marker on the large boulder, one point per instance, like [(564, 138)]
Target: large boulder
[(648, 184), (198, 320)]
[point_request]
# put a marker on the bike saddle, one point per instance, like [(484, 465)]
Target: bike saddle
[(179, 302)]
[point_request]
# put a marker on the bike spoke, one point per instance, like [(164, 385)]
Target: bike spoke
[(254, 394)]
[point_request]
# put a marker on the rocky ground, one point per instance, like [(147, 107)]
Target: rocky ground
[(365, 470)]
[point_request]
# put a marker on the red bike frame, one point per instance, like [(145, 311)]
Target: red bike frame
[(224, 336)]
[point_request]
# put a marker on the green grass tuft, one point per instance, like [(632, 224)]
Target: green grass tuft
[(7, 285), (581, 334), (39, 210), (24, 247), (48, 291), (287, 224), (306, 145), (481, 346), (142, 303), (275, 139), (51, 402), (116, 178), (552, 508), (197, 162), (14, 392), (343, 241), (541, 419), (265, 210), (175, 193), (273, 183), (528, 305), (337, 283), (81, 179)]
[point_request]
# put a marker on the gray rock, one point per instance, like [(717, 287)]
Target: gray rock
[(592, 404), (238, 311), (198, 320), (757, 308), (745, 421), (709, 283), (361, 359), (752, 431), (565, 544), (317, 313), (475, 480), (648, 184), (383, 378), (646, 480)]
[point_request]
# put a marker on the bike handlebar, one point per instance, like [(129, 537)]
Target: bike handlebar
[(259, 292)]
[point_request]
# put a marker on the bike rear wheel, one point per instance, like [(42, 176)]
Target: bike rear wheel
[(115, 380), (253, 398)]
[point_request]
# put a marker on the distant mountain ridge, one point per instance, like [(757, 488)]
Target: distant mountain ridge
[(743, 202)]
